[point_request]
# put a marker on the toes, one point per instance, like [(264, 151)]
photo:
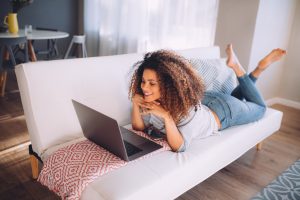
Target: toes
[(277, 52), (229, 50), (229, 47), (280, 51)]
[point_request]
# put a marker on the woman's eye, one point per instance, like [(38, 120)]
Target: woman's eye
[(152, 84)]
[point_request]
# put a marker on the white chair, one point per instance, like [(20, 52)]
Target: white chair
[(79, 40)]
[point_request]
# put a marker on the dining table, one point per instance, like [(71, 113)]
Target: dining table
[(35, 35)]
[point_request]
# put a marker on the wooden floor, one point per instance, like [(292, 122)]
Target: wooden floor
[(15, 171), (241, 179)]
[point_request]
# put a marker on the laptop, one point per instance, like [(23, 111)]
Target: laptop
[(105, 132)]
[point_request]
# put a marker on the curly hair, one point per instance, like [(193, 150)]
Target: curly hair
[(180, 86)]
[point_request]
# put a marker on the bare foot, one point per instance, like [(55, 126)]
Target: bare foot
[(273, 56), (233, 62)]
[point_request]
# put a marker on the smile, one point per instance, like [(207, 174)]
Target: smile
[(147, 94)]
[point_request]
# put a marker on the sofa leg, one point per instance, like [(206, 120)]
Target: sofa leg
[(259, 146), (34, 166), (34, 160)]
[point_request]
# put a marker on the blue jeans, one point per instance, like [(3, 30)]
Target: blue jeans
[(243, 105)]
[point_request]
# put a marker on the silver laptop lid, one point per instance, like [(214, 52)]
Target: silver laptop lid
[(101, 129)]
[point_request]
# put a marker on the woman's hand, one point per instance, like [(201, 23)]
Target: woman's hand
[(136, 118), (154, 108), (148, 107), (137, 99)]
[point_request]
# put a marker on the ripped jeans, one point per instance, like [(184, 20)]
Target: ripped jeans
[(244, 105)]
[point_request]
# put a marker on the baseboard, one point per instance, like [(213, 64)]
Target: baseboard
[(286, 102)]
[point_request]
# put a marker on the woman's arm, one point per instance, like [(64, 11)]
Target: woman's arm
[(136, 118), (174, 137)]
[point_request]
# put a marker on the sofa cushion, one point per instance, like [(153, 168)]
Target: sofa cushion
[(167, 174), (216, 74), (138, 180), (75, 166)]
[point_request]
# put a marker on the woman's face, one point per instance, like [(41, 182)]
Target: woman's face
[(150, 85)]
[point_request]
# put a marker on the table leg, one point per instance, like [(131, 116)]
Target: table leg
[(6, 55), (3, 75), (31, 51)]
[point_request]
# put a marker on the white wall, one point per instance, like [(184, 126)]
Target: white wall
[(256, 27), (273, 29), (235, 24), (290, 81)]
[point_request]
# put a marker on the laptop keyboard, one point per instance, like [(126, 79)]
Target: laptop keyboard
[(131, 149)]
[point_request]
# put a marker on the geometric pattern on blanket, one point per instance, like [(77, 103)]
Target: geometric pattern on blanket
[(70, 169), (217, 76)]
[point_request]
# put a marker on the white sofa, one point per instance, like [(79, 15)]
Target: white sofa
[(102, 83)]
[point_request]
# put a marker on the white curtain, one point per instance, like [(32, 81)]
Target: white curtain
[(127, 26)]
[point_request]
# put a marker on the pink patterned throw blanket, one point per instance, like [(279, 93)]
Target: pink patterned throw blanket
[(70, 169)]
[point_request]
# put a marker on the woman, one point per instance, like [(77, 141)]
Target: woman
[(168, 94)]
